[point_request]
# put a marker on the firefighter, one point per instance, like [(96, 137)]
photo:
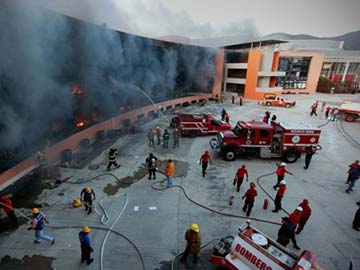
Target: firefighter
[(87, 195), (279, 195), (193, 244), (295, 217), (150, 136), (352, 166), (239, 177), (85, 245), (7, 206), (112, 158), (227, 118), (305, 215), (250, 195), (313, 110), (310, 151), (204, 160), (223, 113), (286, 233), (176, 136), (356, 221), (38, 224), (280, 172), (169, 172), (327, 111), (273, 119), (151, 162), (266, 117), (158, 135), (166, 138), (354, 176)]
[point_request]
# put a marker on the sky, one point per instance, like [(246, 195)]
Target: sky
[(216, 18)]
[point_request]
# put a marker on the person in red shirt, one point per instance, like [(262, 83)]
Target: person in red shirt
[(204, 160), (313, 110), (279, 195), (266, 117), (250, 195), (295, 217), (327, 111), (7, 206), (239, 177), (227, 118), (352, 166), (280, 172), (305, 215)]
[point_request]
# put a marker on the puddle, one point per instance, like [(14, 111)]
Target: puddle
[(181, 169), (36, 262)]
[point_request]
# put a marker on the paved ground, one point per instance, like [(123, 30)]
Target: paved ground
[(157, 228)]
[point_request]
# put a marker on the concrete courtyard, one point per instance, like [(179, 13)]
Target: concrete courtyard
[(155, 221)]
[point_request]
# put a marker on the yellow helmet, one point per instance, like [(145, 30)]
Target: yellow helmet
[(35, 211), (194, 227), (86, 229), (88, 189)]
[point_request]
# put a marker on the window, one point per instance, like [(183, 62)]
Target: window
[(296, 72), (264, 133)]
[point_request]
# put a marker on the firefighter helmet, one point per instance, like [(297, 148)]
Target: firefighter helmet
[(282, 182), (194, 227), (283, 164), (299, 209), (35, 211)]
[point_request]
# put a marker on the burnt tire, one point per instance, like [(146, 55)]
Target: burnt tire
[(350, 117), (229, 154), (192, 134), (291, 156)]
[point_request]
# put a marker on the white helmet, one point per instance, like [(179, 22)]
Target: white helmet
[(299, 209), (282, 182), (283, 164)]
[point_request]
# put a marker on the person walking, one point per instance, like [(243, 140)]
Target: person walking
[(239, 177), (223, 113), (280, 172), (241, 101), (273, 119), (352, 166), (151, 163), (356, 221), (227, 118), (354, 176), (305, 215), (158, 135), (151, 137), (334, 111), (193, 244), (313, 110), (169, 172), (166, 139), (204, 161), (327, 111), (279, 195), (295, 216), (233, 99), (266, 117), (87, 195), (250, 195), (38, 225), (286, 233), (112, 158), (176, 136), (85, 245), (7, 206), (310, 151)]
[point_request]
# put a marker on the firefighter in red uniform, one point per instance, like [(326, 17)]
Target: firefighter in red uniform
[(352, 166), (227, 118), (7, 206), (313, 110), (266, 117), (204, 160), (305, 215), (239, 177), (280, 172), (279, 195), (295, 217), (250, 195)]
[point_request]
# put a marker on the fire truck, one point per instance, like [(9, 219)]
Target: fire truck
[(197, 124), (252, 249), (350, 111), (278, 140)]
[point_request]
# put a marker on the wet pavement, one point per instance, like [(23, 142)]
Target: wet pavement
[(155, 221)]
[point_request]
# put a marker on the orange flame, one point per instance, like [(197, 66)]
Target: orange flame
[(80, 124), (76, 90)]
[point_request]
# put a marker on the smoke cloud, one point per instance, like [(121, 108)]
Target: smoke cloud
[(44, 54)]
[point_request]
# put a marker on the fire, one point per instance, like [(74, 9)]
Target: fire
[(76, 90), (80, 124)]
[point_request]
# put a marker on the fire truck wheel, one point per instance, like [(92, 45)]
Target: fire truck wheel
[(350, 117), (192, 134), (287, 105), (268, 104), (229, 154), (291, 156)]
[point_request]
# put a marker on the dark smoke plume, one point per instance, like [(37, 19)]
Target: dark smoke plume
[(44, 54)]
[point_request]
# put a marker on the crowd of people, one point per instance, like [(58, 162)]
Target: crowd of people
[(163, 137)]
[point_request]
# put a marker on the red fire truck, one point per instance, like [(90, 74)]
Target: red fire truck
[(279, 140), (197, 124), (252, 249)]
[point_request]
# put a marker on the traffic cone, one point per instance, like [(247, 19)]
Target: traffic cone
[(231, 201), (266, 203)]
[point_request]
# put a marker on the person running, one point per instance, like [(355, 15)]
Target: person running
[(239, 177), (204, 160), (38, 225), (250, 195)]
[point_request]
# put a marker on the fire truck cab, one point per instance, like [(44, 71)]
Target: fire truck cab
[(198, 124), (278, 140), (273, 100), (252, 249)]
